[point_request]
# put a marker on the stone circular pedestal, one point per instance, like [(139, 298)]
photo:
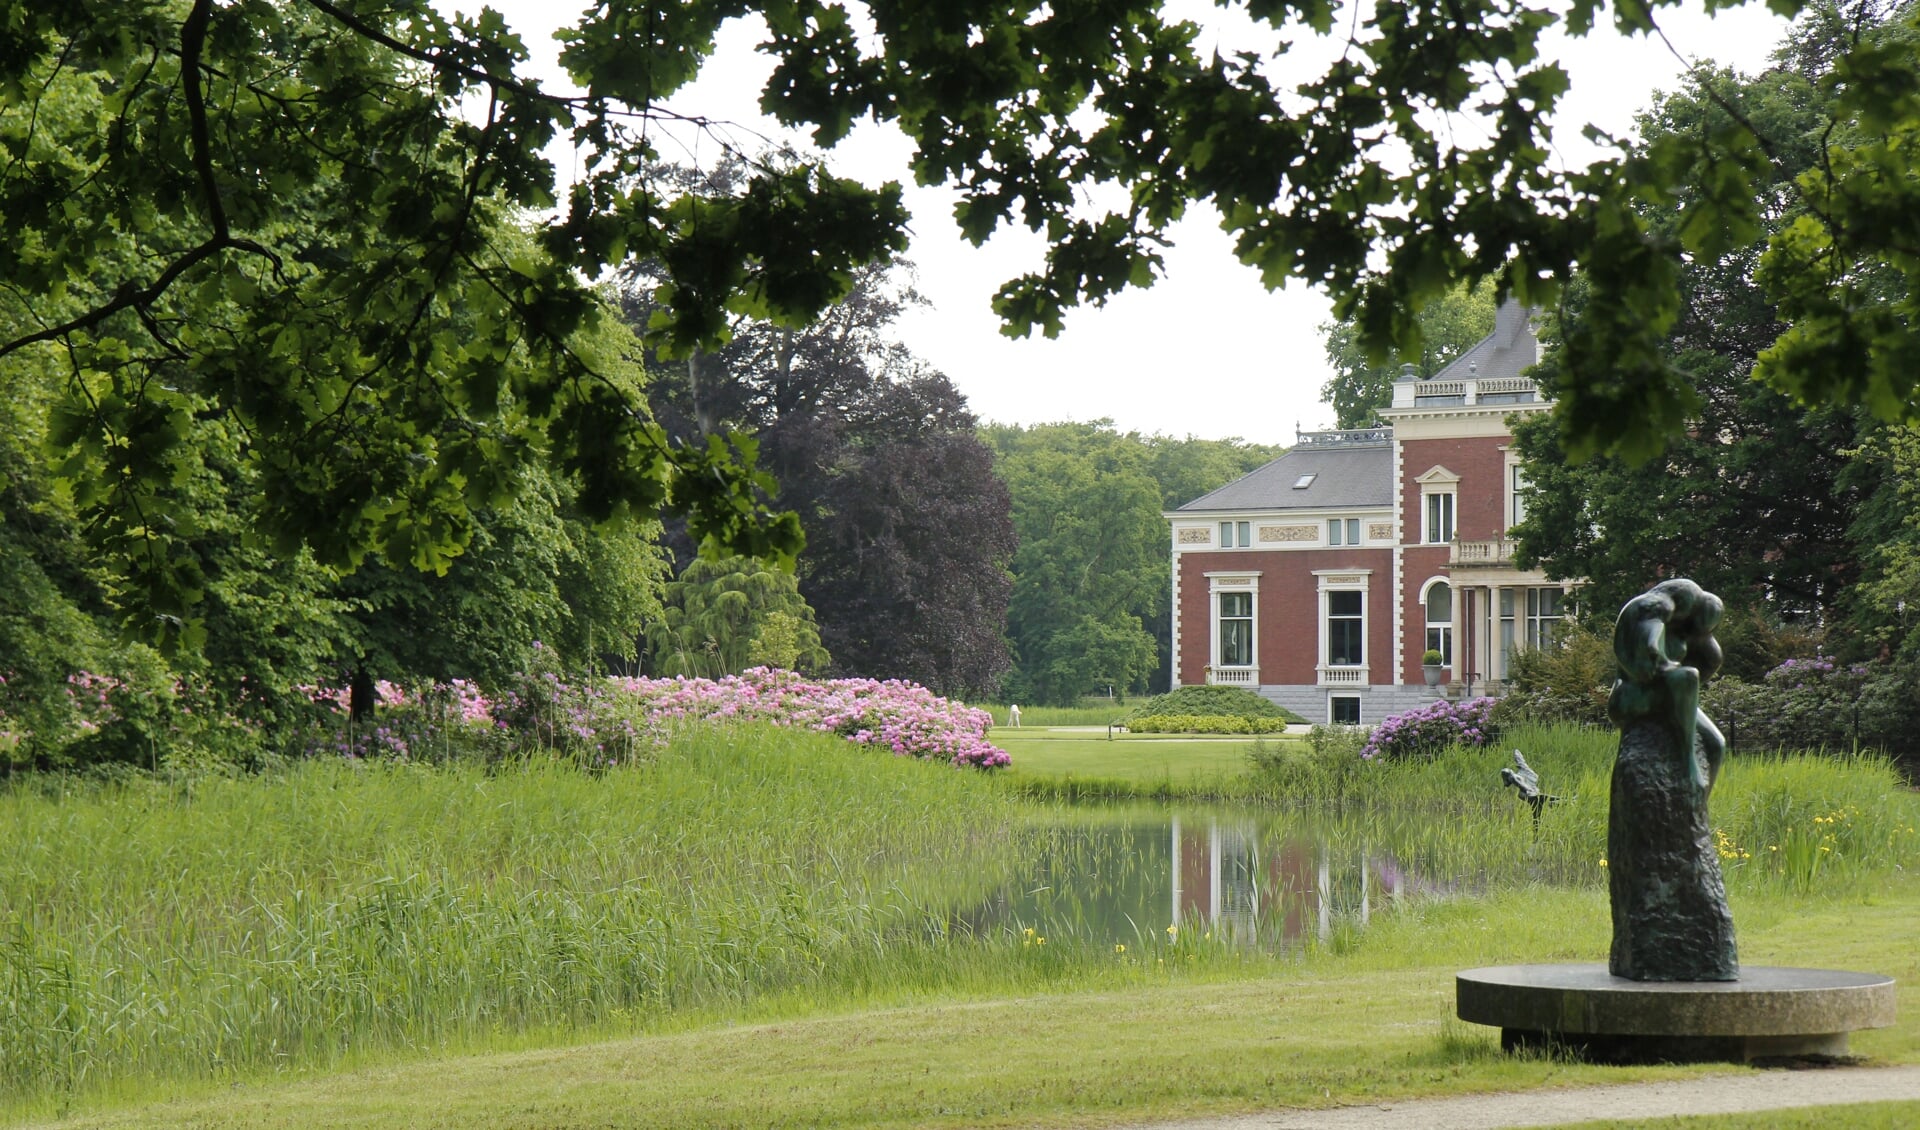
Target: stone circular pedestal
[(1770, 1012)]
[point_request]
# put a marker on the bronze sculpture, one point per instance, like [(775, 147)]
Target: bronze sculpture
[(1670, 917)]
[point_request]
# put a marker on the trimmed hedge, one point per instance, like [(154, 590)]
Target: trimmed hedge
[(1212, 702), (1205, 724)]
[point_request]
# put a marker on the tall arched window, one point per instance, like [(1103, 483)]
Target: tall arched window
[(1439, 603)]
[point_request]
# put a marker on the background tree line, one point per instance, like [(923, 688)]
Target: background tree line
[(297, 389)]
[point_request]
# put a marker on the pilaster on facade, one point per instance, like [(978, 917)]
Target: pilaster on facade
[(1399, 564), (1173, 626)]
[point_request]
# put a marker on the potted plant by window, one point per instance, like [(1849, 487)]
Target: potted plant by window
[(1432, 668)]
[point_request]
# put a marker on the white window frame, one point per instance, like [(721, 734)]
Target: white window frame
[(1229, 530), (1238, 581), (1517, 484), (1359, 709), (1439, 481), (1443, 506), (1428, 624), (1344, 580), (1534, 619)]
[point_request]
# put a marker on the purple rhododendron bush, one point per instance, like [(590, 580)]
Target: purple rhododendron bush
[(613, 721), (1426, 730)]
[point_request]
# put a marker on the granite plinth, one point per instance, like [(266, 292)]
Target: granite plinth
[(1769, 1012)]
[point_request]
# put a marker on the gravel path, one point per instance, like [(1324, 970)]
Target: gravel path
[(1714, 1094)]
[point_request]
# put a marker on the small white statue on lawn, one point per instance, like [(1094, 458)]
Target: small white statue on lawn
[(1013, 715)]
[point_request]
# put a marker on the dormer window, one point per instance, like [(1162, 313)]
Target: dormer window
[(1305, 481)]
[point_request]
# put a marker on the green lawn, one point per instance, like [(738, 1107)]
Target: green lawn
[(1097, 713), (1135, 758)]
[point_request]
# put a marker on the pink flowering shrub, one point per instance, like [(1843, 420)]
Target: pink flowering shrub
[(605, 722), (1426, 730), (85, 718), (543, 711), (14, 732), (91, 700), (904, 718)]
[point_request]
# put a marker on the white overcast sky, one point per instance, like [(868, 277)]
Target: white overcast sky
[(1207, 351)]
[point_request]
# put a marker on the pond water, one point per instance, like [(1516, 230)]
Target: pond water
[(1258, 879)]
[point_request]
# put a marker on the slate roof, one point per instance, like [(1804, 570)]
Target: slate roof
[(1509, 351), (1352, 476)]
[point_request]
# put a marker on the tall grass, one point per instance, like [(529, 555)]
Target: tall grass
[(233, 925), (1794, 821)]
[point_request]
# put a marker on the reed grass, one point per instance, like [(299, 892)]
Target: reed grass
[(228, 926), (1793, 820)]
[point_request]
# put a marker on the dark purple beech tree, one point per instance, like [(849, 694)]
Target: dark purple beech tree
[(909, 532)]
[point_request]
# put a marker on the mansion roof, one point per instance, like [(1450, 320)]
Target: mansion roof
[(1351, 470), (1506, 353), (1341, 470)]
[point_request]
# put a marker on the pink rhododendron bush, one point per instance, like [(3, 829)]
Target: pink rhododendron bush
[(904, 718), (615, 721)]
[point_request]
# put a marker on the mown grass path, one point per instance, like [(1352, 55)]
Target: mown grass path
[(1764, 1100)]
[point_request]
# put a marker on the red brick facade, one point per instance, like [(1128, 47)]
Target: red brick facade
[(1303, 527), (1482, 466), (1288, 609)]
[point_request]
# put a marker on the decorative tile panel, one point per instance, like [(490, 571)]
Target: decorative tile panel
[(1289, 533), (1380, 531), (1196, 535)]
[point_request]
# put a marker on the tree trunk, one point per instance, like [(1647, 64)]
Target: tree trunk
[(702, 416), (360, 696)]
